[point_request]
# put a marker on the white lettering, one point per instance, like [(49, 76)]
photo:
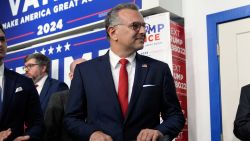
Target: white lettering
[(45, 2), (65, 6), (177, 76), (28, 3), (175, 32), (178, 49), (176, 68), (102, 52), (35, 16), (85, 1), (87, 56), (14, 6), (10, 24), (55, 68), (67, 62), (180, 85)]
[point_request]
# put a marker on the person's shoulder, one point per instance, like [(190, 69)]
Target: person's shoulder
[(55, 82), (11, 73), (246, 87), (90, 64), (93, 61)]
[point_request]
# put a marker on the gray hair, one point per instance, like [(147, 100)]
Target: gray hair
[(41, 60), (112, 17)]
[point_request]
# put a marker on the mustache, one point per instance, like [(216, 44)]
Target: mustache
[(141, 36)]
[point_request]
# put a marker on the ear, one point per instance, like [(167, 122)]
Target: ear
[(112, 33), (70, 75), (44, 69)]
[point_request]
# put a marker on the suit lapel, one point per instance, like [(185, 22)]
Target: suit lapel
[(9, 90), (44, 91), (108, 82), (140, 75)]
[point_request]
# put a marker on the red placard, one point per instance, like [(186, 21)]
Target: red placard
[(179, 71)]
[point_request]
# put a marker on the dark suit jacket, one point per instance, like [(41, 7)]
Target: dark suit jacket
[(242, 120), (21, 104), (54, 118), (93, 97), (50, 86)]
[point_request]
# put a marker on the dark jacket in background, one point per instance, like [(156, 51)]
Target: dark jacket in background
[(54, 118), (50, 86)]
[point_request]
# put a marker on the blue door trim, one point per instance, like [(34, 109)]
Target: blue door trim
[(213, 63)]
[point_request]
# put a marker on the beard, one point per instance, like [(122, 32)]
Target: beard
[(35, 78)]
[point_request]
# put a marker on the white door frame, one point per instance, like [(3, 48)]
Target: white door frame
[(213, 64)]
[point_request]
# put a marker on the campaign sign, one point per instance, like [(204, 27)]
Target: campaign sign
[(179, 71), (62, 53), (24, 20), (157, 42)]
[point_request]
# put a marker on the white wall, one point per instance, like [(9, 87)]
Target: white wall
[(195, 12)]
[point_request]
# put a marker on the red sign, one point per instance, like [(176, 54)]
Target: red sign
[(179, 71)]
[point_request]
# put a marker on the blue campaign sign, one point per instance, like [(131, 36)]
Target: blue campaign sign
[(25, 20), (63, 52)]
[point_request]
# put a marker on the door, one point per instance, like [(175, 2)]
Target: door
[(234, 58)]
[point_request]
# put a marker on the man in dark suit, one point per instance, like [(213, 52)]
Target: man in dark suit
[(37, 67), (55, 111), (120, 96), (242, 120), (19, 103)]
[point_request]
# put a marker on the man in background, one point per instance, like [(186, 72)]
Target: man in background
[(19, 103), (37, 67), (121, 95), (242, 119), (55, 112)]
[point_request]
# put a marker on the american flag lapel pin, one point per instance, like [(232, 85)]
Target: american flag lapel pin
[(144, 65)]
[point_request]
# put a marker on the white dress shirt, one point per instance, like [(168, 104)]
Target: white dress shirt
[(115, 69), (40, 84), (2, 80)]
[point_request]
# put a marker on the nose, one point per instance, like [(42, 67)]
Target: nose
[(142, 30)]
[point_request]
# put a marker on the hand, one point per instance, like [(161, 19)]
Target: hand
[(99, 136), (22, 138), (149, 135), (4, 134)]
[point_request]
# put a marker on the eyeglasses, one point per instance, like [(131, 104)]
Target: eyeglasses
[(2, 39), (29, 66), (136, 26)]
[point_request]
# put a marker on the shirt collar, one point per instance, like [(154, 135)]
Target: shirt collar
[(114, 59), (42, 81), (2, 69)]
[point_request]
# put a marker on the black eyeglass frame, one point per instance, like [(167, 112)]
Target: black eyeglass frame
[(136, 26), (29, 66)]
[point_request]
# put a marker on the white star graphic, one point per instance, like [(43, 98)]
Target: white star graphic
[(58, 48), (51, 49), (43, 51), (67, 46), (35, 51)]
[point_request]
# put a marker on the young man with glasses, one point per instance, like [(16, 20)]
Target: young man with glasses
[(121, 95), (37, 67), (19, 103)]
